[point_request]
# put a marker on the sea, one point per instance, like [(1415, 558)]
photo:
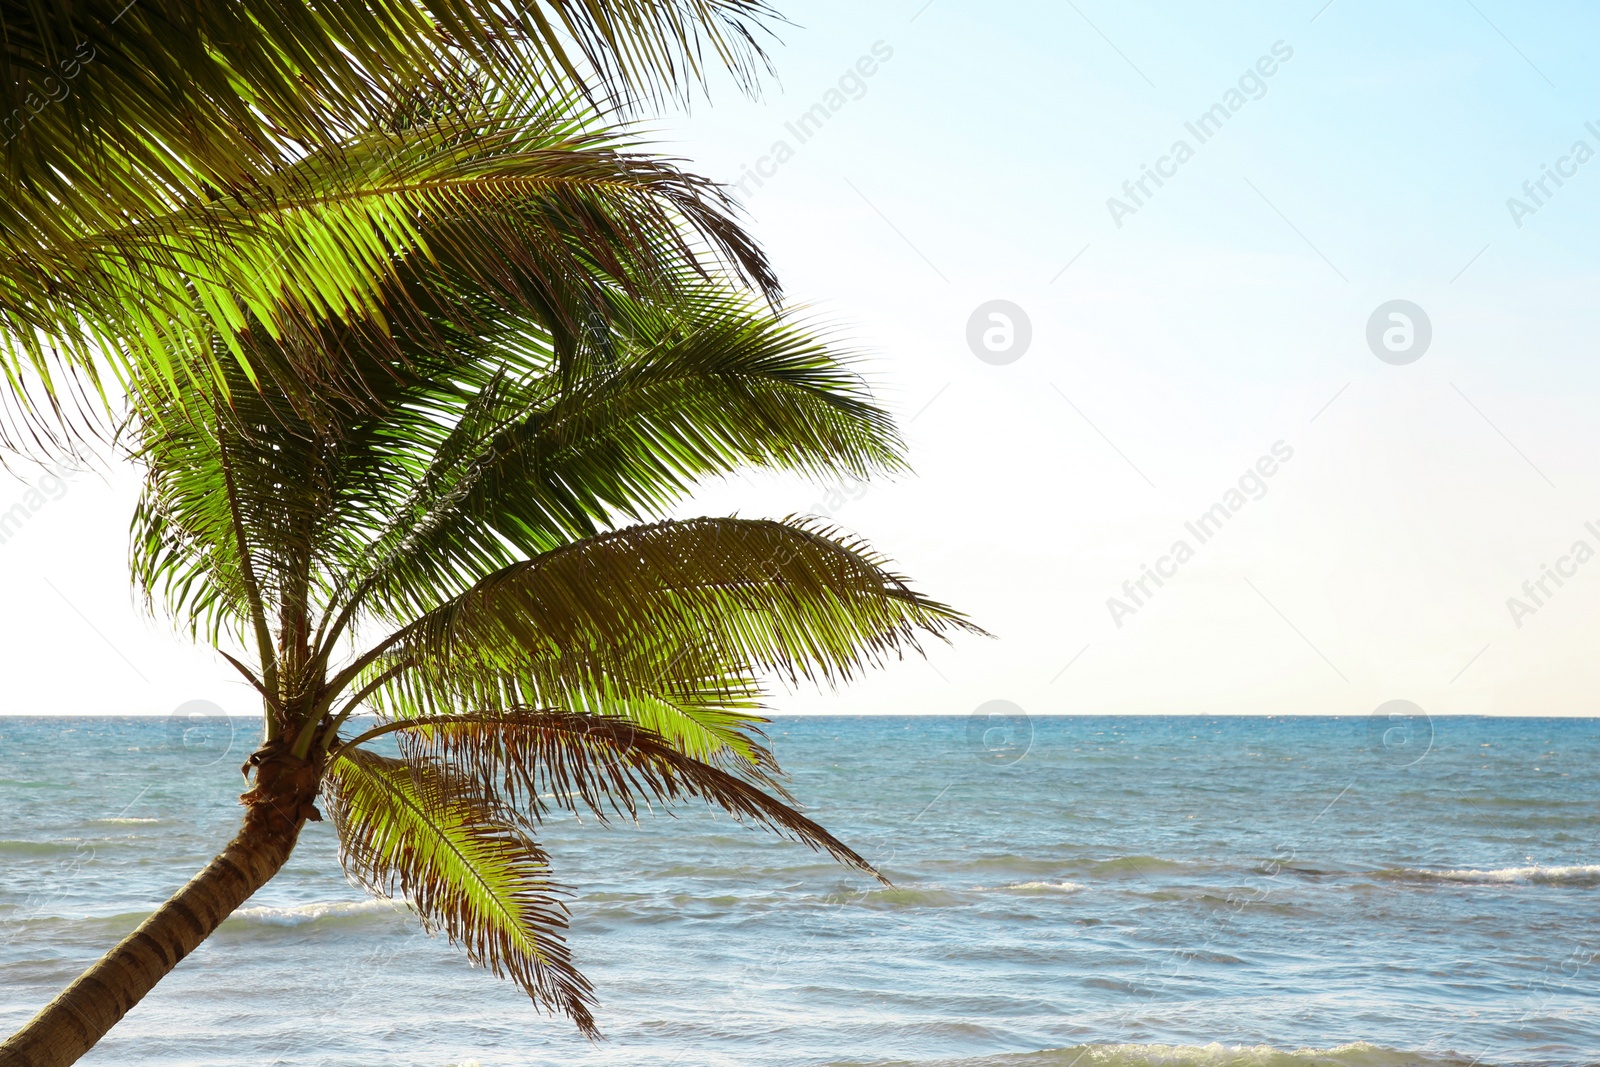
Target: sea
[(1067, 892)]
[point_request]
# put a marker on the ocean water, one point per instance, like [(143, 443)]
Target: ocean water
[(1068, 891)]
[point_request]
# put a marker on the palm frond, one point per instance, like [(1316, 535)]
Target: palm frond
[(539, 759), (703, 708), (415, 829), (112, 109), (694, 388), (116, 117), (773, 597), (218, 83), (542, 209), (409, 412)]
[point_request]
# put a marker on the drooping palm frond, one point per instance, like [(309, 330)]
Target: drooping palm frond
[(412, 828), (537, 208), (542, 759), (640, 47), (218, 84), (116, 114)]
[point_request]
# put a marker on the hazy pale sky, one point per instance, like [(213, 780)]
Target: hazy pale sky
[(1193, 214)]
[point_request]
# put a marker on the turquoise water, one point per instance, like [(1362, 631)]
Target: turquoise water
[(1067, 891)]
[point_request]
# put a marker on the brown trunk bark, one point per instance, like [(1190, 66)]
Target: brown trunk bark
[(82, 1013)]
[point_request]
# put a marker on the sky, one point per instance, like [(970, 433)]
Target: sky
[(1385, 493)]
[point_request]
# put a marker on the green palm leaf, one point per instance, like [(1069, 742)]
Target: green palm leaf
[(772, 597), (533, 207), (414, 829)]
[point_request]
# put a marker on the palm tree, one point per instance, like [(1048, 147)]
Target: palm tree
[(464, 533), (148, 149)]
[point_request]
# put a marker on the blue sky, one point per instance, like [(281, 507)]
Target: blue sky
[(1228, 314)]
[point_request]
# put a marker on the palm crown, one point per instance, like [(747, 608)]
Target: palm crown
[(462, 532)]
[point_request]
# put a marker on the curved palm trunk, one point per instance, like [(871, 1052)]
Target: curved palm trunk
[(81, 1014)]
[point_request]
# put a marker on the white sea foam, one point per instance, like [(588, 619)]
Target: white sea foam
[(123, 821), (300, 914), (1044, 887), (1355, 1054), (1583, 875)]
